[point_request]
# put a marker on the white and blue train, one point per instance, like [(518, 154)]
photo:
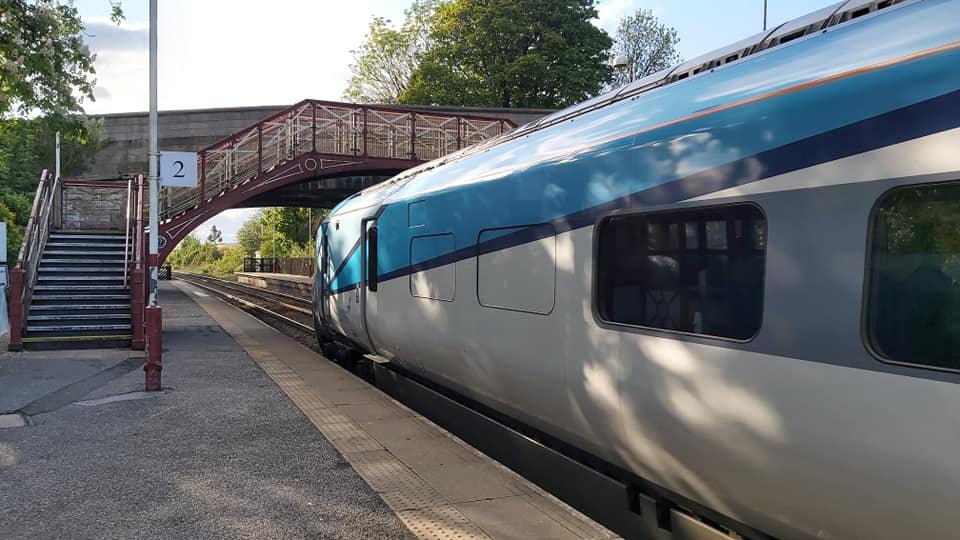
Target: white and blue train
[(737, 280)]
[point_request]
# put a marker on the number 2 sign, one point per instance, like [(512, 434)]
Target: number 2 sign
[(178, 169)]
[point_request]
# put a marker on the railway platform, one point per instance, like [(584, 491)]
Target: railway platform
[(284, 283), (254, 435)]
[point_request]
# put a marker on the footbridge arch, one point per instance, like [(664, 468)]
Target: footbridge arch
[(339, 147)]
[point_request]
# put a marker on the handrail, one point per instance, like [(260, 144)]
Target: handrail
[(126, 234), (23, 276), (27, 236), (137, 282)]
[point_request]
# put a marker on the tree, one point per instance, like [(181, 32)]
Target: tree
[(512, 53), (44, 64), (215, 237), (250, 234), (27, 146), (648, 44), (45, 73), (383, 64)]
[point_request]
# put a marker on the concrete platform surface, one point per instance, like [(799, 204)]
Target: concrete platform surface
[(439, 486), (221, 453), (284, 283)]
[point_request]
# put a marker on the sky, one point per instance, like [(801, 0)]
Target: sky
[(227, 53)]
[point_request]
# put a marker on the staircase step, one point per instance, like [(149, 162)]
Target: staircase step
[(78, 297), (47, 278), (111, 269), (104, 341), (77, 260), (61, 287), (97, 316), (88, 253), (101, 245), (84, 307), (80, 328), (73, 236)]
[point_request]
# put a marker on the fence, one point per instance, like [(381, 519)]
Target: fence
[(298, 266)]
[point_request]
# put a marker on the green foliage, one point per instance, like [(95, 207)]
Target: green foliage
[(44, 63), (250, 234), (273, 232), (383, 64), (27, 146), (649, 45), (14, 233), (512, 53)]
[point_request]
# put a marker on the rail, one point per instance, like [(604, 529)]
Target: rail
[(327, 129), (138, 265), (23, 276), (126, 233)]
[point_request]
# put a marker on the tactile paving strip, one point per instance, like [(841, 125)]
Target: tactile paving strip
[(424, 511), (440, 523), (413, 497), (357, 444), (345, 430)]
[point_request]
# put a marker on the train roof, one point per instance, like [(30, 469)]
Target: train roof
[(708, 68)]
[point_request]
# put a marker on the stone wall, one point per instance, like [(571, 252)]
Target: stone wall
[(98, 208), (125, 153)]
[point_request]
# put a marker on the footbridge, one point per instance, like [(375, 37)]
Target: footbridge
[(339, 148), (79, 280)]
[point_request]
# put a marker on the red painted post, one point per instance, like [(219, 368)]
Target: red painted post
[(138, 286), (459, 134), (203, 178), (16, 309), (413, 135), (364, 109), (138, 342), (154, 364), (313, 105)]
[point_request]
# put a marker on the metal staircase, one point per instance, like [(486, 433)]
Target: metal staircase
[(77, 283), (81, 298)]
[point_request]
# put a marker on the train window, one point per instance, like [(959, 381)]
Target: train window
[(522, 277), (433, 276), (696, 271), (913, 298)]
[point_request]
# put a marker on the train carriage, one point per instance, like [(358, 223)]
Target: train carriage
[(737, 280)]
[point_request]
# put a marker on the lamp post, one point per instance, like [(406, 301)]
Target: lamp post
[(154, 317)]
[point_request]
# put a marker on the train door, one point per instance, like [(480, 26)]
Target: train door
[(369, 283), (321, 281)]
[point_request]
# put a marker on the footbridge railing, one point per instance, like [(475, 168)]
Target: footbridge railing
[(23, 275), (332, 131)]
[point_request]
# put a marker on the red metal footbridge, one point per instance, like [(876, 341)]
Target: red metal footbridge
[(314, 140), (88, 271)]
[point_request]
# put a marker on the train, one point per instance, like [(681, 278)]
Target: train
[(736, 280)]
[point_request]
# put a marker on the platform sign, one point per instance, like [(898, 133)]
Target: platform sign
[(178, 169)]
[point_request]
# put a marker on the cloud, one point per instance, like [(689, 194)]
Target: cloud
[(107, 36)]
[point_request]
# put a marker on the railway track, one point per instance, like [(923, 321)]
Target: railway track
[(291, 311)]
